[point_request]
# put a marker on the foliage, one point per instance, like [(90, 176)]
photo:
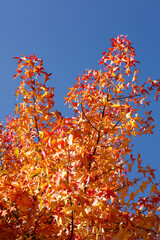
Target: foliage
[(68, 178)]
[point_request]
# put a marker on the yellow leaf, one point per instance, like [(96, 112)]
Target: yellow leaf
[(116, 104), (16, 152), (41, 204), (3, 172), (34, 174), (59, 222), (41, 134)]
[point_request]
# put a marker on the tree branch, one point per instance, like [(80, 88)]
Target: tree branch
[(72, 227), (34, 104)]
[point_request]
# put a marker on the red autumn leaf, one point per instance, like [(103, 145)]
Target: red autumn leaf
[(67, 178)]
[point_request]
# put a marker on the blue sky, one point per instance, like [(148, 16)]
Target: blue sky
[(70, 36)]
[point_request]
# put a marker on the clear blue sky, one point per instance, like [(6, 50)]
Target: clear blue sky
[(69, 36)]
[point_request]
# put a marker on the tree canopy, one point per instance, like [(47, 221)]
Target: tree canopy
[(71, 177)]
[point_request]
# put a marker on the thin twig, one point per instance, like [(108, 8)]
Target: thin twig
[(88, 119), (120, 98), (37, 222), (145, 229), (95, 149), (116, 190), (110, 170), (68, 168)]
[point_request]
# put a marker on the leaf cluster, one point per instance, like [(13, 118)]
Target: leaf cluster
[(68, 178)]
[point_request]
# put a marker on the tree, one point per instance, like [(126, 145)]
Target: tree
[(69, 177)]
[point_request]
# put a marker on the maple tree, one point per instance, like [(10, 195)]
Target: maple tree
[(69, 177)]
